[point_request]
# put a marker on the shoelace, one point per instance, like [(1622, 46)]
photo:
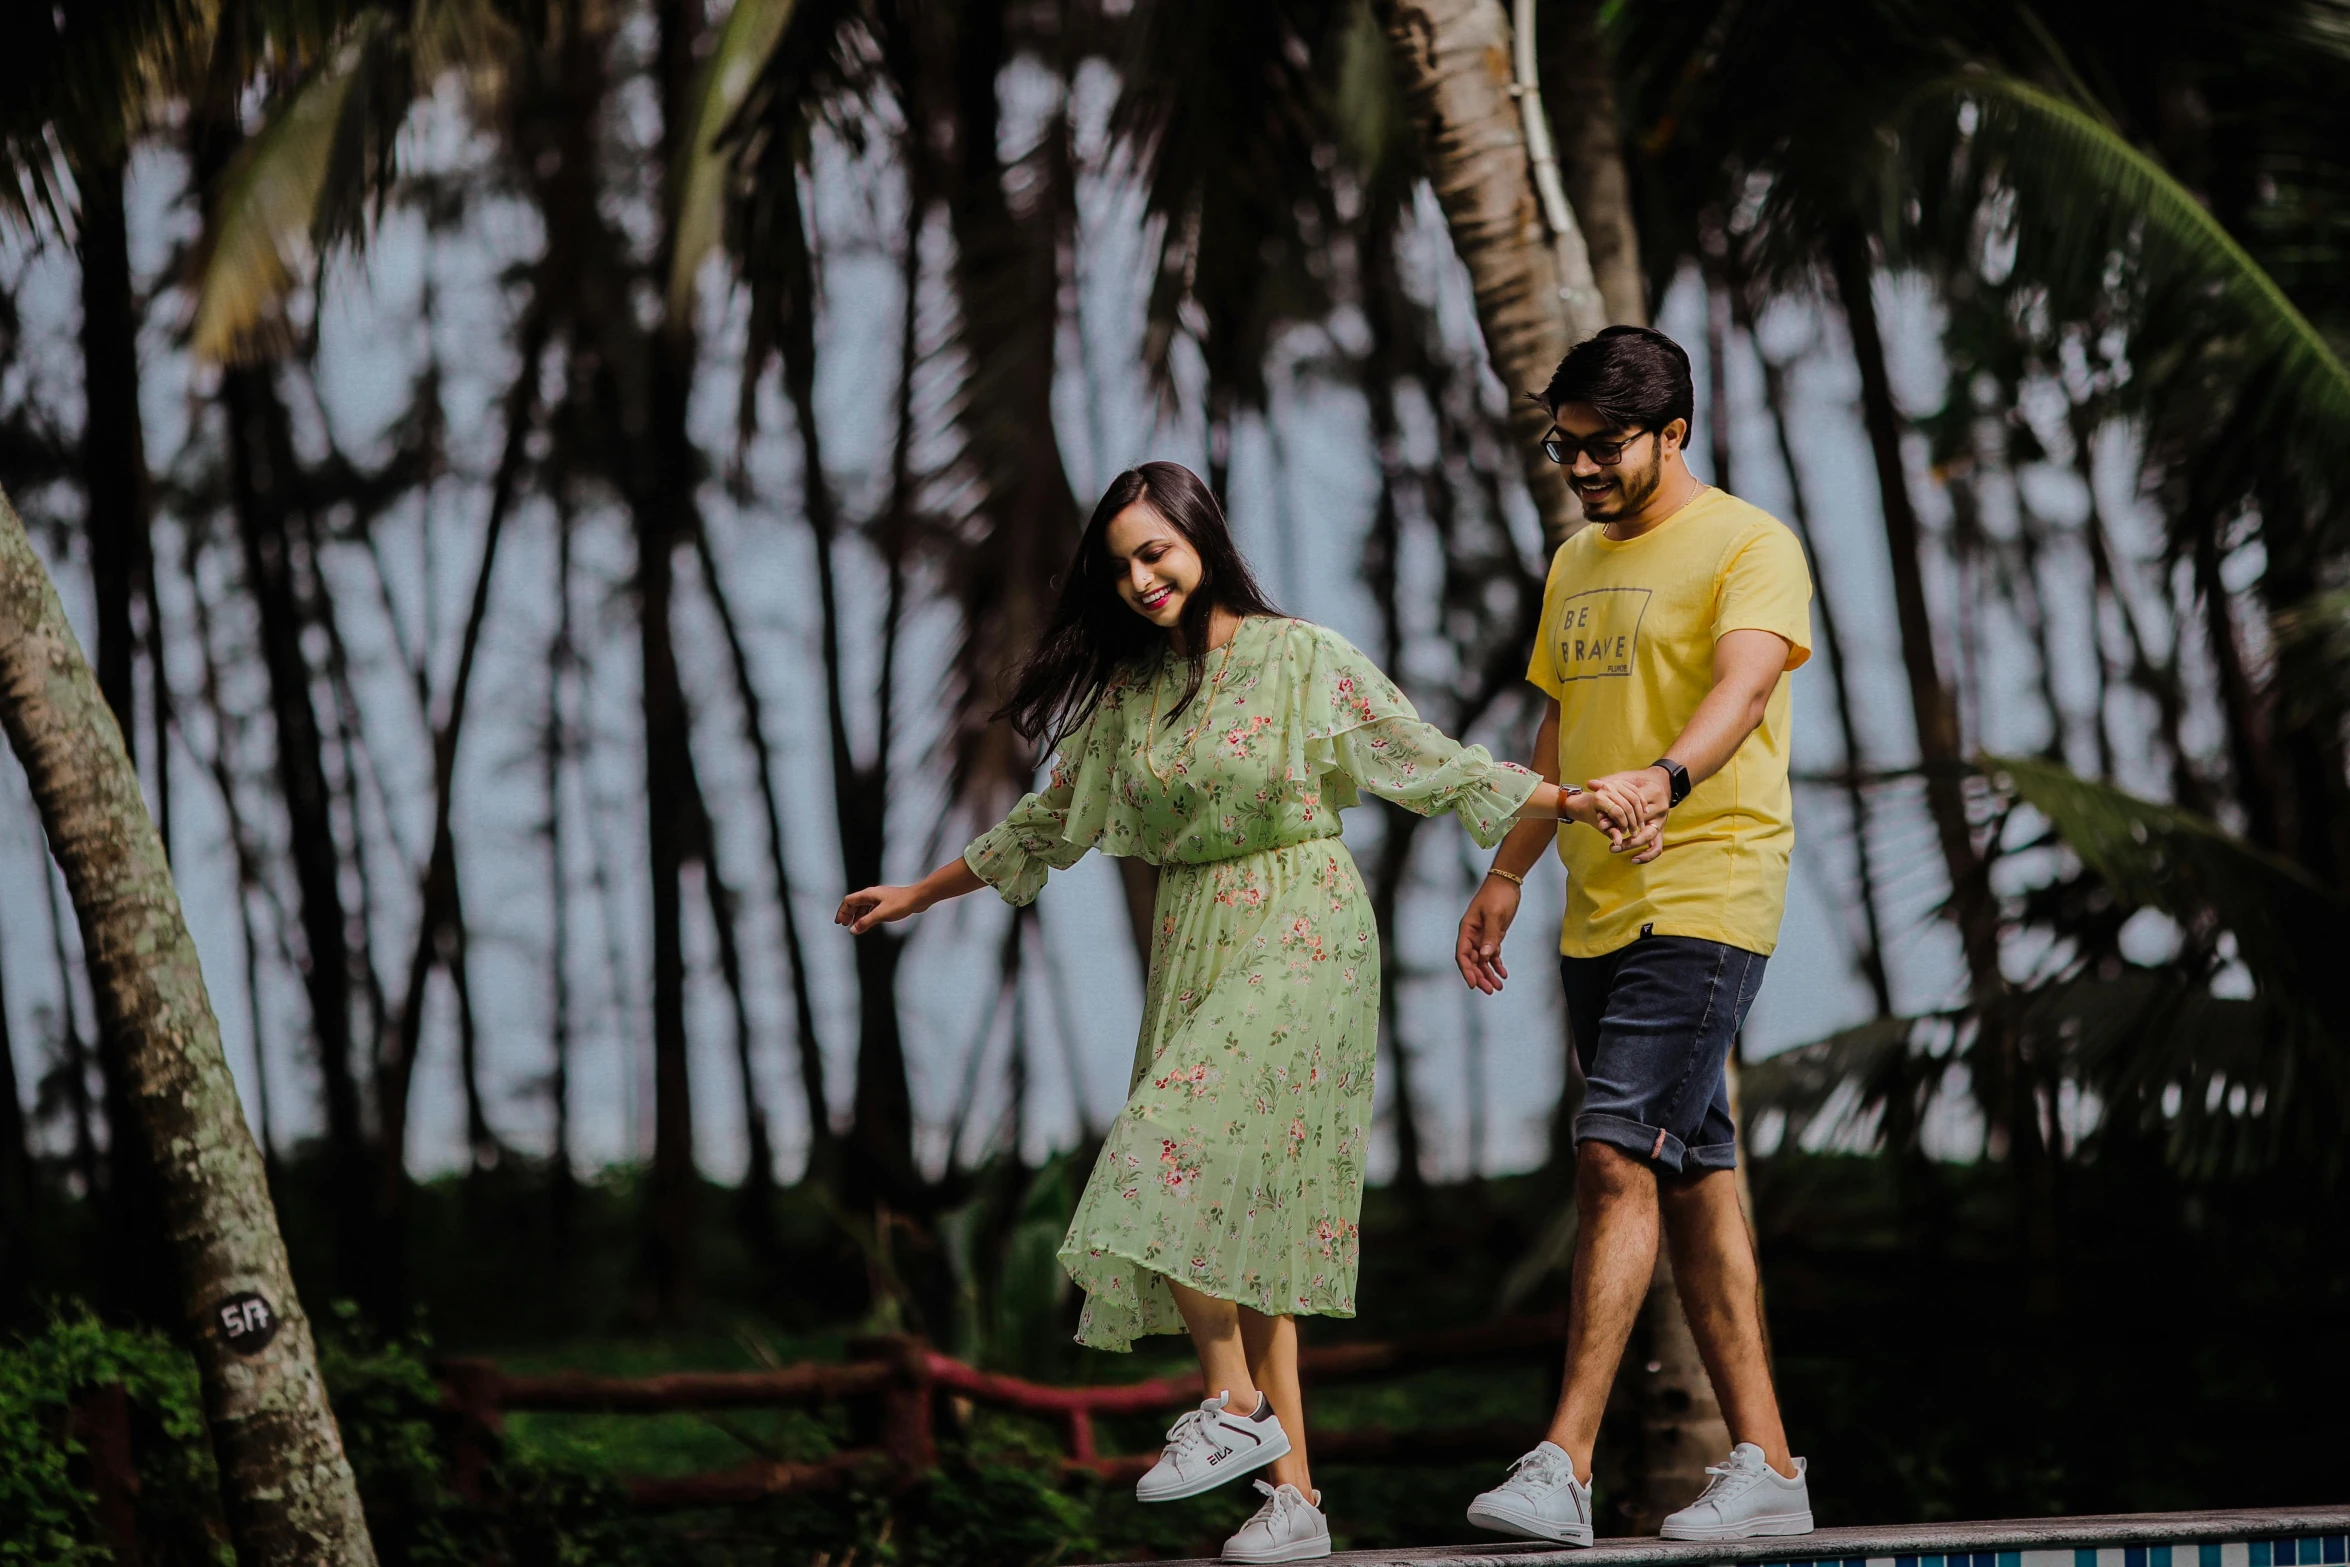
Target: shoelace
[(1729, 1479), (1278, 1504), (1189, 1431), (1540, 1468)]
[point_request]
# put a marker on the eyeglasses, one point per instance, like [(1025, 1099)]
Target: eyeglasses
[(1604, 450)]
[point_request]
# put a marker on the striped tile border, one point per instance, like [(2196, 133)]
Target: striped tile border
[(2317, 1550)]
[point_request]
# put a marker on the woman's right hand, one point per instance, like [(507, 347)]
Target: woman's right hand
[(1477, 951), (860, 911)]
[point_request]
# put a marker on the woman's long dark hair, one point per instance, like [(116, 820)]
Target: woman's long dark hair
[(1094, 633)]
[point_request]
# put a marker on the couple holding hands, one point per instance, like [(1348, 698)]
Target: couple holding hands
[(1197, 727)]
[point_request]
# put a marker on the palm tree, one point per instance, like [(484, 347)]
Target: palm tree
[(288, 1486)]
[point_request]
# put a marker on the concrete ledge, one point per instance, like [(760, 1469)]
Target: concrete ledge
[(2285, 1536)]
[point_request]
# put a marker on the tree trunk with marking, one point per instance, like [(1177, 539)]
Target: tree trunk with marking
[(1535, 297), (287, 1486)]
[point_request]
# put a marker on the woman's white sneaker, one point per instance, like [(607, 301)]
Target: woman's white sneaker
[(1541, 1500), (1210, 1445), (1747, 1498), (1288, 1528)]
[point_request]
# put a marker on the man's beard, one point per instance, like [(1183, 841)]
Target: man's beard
[(1633, 489)]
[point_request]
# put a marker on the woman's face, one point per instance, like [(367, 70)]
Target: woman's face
[(1157, 568)]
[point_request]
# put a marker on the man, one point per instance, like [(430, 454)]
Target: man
[(1667, 628)]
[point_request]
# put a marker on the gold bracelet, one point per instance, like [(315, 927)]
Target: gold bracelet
[(1508, 876)]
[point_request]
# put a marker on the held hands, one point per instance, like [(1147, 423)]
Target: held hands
[(1609, 806), (1645, 790), (862, 910)]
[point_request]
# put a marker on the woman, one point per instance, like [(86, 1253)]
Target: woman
[(1199, 729)]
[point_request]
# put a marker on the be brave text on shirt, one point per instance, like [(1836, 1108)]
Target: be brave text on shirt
[(1597, 634)]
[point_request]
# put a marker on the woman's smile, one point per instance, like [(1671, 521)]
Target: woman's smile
[(1154, 599)]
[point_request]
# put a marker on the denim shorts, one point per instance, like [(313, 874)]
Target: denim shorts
[(1653, 1023)]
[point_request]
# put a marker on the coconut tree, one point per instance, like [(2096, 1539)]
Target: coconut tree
[(288, 1487)]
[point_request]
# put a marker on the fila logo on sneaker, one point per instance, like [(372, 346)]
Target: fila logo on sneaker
[(1219, 1455)]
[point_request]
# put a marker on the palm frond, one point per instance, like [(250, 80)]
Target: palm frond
[(737, 57), (79, 79), (307, 182), (1225, 111), (2168, 1059), (258, 240), (2289, 931), (2100, 194), (2162, 1043), (1860, 1070)]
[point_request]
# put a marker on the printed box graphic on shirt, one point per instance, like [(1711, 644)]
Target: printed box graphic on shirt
[(1598, 632)]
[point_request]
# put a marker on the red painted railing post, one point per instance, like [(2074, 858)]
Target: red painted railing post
[(1081, 1446), (100, 1420), (906, 1434), (472, 1389)]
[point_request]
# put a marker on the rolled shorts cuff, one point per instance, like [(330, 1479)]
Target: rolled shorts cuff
[(1709, 1156), (1654, 1144), (1651, 1143)]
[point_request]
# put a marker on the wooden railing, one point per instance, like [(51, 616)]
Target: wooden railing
[(895, 1384)]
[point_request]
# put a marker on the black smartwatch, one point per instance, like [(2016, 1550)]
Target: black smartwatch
[(1679, 777)]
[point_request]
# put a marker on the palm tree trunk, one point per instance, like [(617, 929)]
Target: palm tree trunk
[(669, 1241), (1856, 799), (1579, 92), (73, 1069), (262, 479), (16, 1152), (666, 519), (440, 920), (2006, 1090), (1936, 716), (114, 451), (1535, 298), (563, 1182), (756, 1208), (288, 1488), (823, 1148)]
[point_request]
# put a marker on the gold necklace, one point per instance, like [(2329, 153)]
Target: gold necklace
[(1183, 749)]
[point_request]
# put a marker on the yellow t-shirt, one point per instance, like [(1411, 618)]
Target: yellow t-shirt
[(1627, 647)]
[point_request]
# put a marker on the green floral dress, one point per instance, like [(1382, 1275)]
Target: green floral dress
[(1237, 1163)]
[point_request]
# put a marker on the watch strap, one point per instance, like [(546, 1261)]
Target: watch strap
[(1678, 776)]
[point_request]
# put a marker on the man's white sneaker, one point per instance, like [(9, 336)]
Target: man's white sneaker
[(1746, 1498), (1211, 1445), (1541, 1500), (1288, 1528)]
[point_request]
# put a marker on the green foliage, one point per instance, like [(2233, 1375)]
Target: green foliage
[(2234, 1082), (1012, 1294), (2094, 195), (2226, 1082), (46, 1509)]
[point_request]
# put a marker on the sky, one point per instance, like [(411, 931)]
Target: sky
[(1303, 484)]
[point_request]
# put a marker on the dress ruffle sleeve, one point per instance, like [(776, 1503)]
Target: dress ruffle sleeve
[(1360, 732), (1078, 809)]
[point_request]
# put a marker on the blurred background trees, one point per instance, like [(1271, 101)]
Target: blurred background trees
[(552, 488)]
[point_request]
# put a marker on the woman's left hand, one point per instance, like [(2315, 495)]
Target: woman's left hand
[(860, 911)]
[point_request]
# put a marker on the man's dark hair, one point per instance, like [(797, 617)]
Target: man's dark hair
[(1633, 376)]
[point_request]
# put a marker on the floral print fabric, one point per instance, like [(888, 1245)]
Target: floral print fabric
[(1236, 1165)]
